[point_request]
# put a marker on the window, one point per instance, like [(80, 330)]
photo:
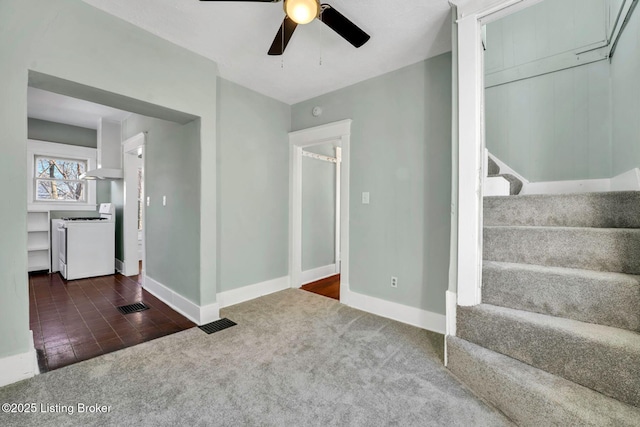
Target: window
[(59, 179), (53, 176)]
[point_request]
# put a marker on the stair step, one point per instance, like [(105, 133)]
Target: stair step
[(600, 357), (618, 209), (611, 299), (530, 396), (599, 249)]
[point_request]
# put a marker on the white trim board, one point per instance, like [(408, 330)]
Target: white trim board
[(496, 186), (19, 366), (451, 320), (197, 314), (627, 181), (130, 164), (314, 274), (402, 313), (249, 292)]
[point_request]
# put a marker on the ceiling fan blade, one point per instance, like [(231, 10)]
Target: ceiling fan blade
[(341, 25), (258, 1), (282, 37)]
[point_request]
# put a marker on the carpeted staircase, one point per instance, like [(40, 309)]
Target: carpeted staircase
[(556, 340)]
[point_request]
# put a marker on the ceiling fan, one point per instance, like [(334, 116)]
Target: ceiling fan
[(299, 12)]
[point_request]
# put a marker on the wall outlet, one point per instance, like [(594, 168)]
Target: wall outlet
[(394, 282), (365, 198)]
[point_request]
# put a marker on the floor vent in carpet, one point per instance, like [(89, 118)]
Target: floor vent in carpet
[(218, 325), (132, 308)]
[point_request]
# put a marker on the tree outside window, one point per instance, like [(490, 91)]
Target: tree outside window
[(59, 179)]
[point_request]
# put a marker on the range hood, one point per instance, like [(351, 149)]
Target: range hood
[(102, 173), (109, 154)]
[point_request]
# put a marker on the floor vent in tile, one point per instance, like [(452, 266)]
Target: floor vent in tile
[(218, 325), (132, 308)]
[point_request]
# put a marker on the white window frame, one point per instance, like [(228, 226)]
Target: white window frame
[(37, 148)]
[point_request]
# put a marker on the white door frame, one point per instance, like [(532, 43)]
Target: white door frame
[(472, 15), (130, 149), (336, 131), (338, 259)]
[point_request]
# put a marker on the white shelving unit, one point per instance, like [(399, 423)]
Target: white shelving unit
[(38, 241)]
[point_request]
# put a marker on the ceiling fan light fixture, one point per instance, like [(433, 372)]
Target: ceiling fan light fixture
[(302, 11)]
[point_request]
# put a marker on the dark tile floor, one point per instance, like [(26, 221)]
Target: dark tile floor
[(78, 319)]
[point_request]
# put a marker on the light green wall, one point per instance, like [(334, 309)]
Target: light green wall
[(253, 168), (401, 154), (557, 125), (625, 82), (553, 127), (76, 42), (44, 130), (172, 232), (318, 210), (544, 30)]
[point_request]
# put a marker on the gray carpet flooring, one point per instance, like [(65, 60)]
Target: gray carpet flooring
[(294, 359)]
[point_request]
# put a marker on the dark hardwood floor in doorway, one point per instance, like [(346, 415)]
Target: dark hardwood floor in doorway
[(328, 287)]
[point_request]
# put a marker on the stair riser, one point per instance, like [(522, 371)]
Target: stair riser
[(493, 168), (611, 300), (615, 250), (611, 370), (531, 397), (601, 210)]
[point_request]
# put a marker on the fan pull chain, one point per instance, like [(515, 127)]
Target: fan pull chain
[(321, 43), (282, 44), (321, 38)]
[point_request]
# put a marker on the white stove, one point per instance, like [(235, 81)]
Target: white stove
[(86, 246)]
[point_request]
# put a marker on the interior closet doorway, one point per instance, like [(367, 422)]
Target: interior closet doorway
[(306, 147), (321, 219)]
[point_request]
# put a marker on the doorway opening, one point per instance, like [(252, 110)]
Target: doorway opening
[(326, 260), (77, 162), (133, 224), (321, 219)]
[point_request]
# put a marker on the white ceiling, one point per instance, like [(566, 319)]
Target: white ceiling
[(50, 106), (237, 35)]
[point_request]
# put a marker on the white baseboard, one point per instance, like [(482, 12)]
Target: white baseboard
[(19, 366), (452, 305), (200, 315), (246, 293), (318, 273), (568, 187), (119, 266), (627, 181), (402, 313)]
